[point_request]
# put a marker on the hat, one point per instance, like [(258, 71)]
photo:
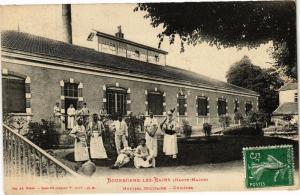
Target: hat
[(169, 113)]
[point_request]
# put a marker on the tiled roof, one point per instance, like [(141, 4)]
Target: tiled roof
[(33, 44), (289, 86), (287, 108)]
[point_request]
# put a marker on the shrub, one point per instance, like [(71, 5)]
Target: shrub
[(225, 121), (207, 129), (187, 128), (43, 134), (238, 117), (253, 130)]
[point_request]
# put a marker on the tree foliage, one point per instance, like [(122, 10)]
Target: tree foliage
[(230, 24), (264, 81)]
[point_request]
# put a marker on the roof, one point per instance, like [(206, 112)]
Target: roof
[(287, 108), (23, 42), (289, 86), (129, 42)]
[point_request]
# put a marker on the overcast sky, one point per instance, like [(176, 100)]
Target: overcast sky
[(46, 21)]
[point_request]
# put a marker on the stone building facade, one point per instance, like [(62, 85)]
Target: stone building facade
[(49, 71)]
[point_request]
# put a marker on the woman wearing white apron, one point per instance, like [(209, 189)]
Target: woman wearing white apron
[(95, 129), (170, 129), (151, 128), (81, 153)]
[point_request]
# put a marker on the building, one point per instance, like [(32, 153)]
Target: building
[(119, 76), (288, 102)]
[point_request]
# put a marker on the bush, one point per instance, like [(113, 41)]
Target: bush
[(253, 130), (238, 117), (225, 121), (43, 134), (207, 129), (187, 128)]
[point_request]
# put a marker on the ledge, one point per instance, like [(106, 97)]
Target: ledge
[(20, 114)]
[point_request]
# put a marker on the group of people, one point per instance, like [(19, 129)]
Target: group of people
[(90, 133)]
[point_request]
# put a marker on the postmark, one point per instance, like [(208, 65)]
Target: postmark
[(269, 166)]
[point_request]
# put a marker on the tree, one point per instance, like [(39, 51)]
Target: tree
[(264, 81), (230, 24)]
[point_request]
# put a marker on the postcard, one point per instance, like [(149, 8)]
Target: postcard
[(149, 97)]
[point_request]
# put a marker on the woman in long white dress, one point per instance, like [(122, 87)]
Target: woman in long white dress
[(95, 129), (71, 116), (81, 153), (170, 129), (151, 129)]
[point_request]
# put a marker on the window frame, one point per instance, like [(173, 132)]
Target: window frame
[(221, 102), (248, 103), (150, 104), (8, 97), (204, 110), (181, 105), (118, 105)]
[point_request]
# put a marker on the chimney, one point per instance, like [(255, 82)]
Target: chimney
[(66, 23), (119, 34)]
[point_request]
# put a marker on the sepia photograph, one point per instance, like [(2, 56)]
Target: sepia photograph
[(149, 97)]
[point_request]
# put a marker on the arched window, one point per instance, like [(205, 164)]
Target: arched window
[(116, 101), (155, 103), (13, 92)]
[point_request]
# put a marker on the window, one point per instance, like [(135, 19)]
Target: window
[(202, 106), (155, 103), (137, 53), (181, 103), (236, 105), (296, 97), (71, 90), (222, 106), (248, 107), (116, 101), (13, 100), (156, 58)]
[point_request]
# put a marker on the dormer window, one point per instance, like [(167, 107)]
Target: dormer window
[(156, 58), (137, 53)]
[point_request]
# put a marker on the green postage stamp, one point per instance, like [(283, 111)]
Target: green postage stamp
[(269, 166)]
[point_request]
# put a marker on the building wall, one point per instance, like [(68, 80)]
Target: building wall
[(46, 90), (287, 96)]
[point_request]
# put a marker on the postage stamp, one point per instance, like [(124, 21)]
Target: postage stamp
[(269, 166)]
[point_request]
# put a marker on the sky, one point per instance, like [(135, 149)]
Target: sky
[(45, 20)]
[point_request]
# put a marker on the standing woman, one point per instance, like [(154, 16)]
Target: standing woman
[(95, 129), (81, 153), (170, 129), (151, 127), (71, 116)]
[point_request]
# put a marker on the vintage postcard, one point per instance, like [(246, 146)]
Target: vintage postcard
[(149, 97)]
